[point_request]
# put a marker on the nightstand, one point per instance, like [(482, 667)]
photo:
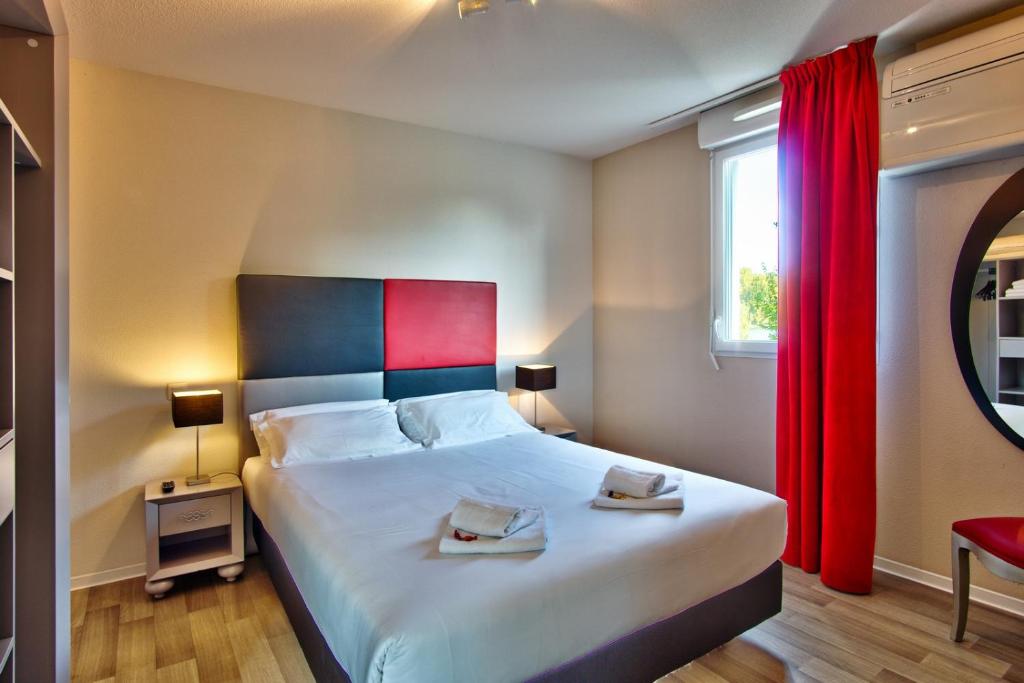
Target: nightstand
[(560, 432), (193, 528)]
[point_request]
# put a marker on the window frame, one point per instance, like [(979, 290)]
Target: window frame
[(721, 265)]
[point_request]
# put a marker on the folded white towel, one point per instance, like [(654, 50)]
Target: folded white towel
[(1018, 283), (528, 539), (632, 482), (1013, 293), (670, 497), (490, 519)]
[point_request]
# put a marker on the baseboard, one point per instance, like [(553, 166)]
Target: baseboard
[(983, 596), (108, 576)]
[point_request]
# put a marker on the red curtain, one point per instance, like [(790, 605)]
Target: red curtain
[(825, 437)]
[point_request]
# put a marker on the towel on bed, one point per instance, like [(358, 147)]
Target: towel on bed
[(527, 539), (633, 482), (669, 497), (484, 518)]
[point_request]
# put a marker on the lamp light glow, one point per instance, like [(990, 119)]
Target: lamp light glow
[(468, 7)]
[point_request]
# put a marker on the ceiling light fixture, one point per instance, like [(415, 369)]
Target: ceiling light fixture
[(467, 7)]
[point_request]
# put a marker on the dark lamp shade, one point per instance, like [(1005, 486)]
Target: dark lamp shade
[(535, 377), (195, 408)]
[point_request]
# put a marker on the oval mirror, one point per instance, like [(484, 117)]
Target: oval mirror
[(987, 309)]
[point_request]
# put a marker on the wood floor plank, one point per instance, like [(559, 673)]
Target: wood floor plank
[(106, 595), (978, 661), (207, 630), (733, 670), (1015, 674), (79, 605), (214, 657), (181, 672), (255, 659), (290, 658), (766, 662), (97, 645), (136, 651), (134, 601), (844, 652), (173, 630), (823, 671), (200, 592), (696, 672)]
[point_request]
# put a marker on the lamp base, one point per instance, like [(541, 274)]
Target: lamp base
[(195, 480)]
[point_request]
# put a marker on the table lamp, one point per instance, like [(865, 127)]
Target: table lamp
[(194, 409), (538, 377)]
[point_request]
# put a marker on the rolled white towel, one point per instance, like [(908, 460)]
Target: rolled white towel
[(528, 539), (670, 497), (490, 519), (633, 482)]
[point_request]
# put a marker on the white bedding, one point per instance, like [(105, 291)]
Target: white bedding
[(360, 539)]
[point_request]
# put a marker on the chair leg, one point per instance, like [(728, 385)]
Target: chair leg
[(961, 590)]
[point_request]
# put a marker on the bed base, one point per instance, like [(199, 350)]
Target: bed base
[(641, 657)]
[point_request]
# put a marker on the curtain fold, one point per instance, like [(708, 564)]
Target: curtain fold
[(825, 429)]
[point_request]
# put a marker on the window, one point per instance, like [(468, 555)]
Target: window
[(746, 248)]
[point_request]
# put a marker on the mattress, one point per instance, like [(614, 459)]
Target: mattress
[(360, 541)]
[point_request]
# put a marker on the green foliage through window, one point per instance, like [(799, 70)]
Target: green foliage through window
[(759, 303)]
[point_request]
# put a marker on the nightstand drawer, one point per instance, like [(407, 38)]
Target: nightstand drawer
[(200, 513)]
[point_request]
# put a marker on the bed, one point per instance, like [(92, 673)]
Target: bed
[(352, 546)]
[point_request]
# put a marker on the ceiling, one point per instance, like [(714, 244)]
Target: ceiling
[(583, 77)]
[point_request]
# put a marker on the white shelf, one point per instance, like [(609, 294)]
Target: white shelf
[(24, 153), (1016, 391)]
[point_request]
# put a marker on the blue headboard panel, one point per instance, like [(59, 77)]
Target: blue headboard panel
[(303, 326), (405, 383)]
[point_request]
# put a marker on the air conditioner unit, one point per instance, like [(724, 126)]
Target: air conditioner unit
[(955, 103)]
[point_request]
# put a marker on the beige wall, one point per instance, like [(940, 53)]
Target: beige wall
[(938, 458), (656, 393), (178, 187)]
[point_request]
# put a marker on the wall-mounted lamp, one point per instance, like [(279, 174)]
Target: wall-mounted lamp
[(540, 377), (194, 409)]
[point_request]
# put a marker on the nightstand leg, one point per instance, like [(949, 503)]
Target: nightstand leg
[(159, 588), (230, 572)]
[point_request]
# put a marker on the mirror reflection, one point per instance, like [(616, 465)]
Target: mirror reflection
[(997, 323)]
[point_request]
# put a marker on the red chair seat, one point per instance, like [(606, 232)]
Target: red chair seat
[(1001, 536)]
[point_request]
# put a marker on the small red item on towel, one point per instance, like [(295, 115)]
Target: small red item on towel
[(464, 537)]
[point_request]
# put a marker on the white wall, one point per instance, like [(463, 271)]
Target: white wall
[(939, 459), (177, 187), (656, 394)]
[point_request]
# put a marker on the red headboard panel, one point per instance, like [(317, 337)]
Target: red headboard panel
[(439, 324)]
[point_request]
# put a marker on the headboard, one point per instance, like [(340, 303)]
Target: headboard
[(315, 339)]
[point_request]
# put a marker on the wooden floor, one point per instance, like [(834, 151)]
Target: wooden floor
[(209, 630)]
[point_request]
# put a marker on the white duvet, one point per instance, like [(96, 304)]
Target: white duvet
[(360, 539)]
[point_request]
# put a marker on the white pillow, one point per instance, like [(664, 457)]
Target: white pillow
[(407, 421), (443, 421), (333, 407), (339, 435)]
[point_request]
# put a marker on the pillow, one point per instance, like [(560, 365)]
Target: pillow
[(334, 436), (409, 424), (460, 419), (335, 406)]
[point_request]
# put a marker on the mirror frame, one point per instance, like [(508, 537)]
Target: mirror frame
[(1004, 204)]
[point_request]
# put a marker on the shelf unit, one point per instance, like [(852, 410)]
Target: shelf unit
[(16, 155), (1009, 332)]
